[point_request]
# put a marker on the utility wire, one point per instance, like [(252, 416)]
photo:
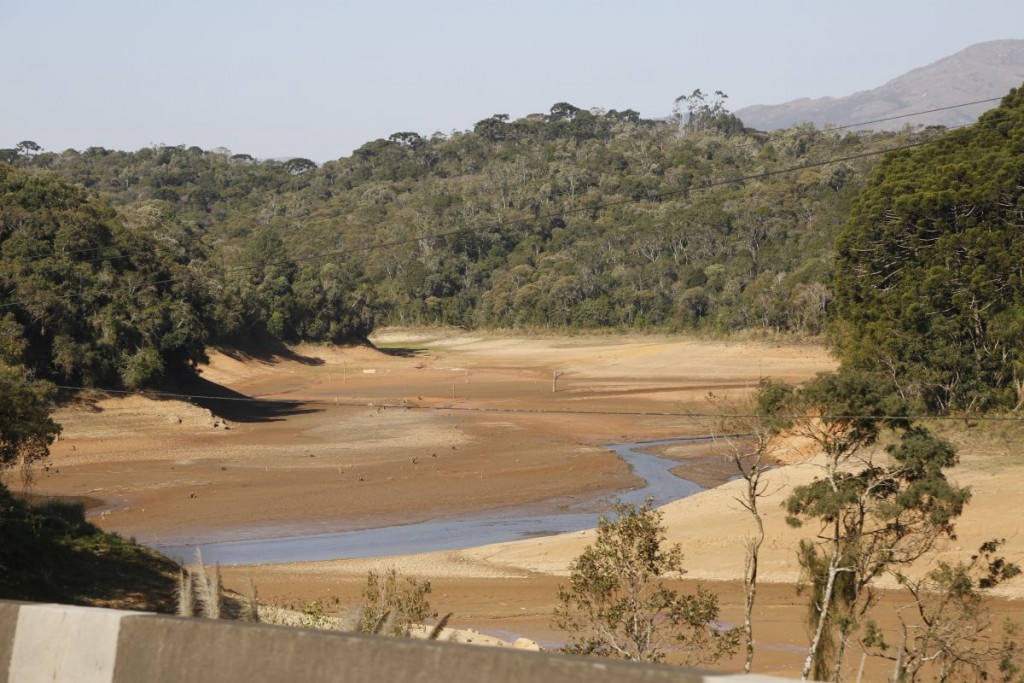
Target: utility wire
[(523, 411), (657, 196), (67, 252), (915, 113)]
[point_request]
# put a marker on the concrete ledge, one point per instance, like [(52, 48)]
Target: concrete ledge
[(87, 644), (159, 649), (60, 643), (8, 627)]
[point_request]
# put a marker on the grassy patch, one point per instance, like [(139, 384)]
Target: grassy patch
[(50, 553), (984, 444)]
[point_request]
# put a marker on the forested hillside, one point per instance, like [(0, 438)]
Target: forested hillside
[(571, 219), (930, 272), (101, 296), (118, 266), (90, 296)]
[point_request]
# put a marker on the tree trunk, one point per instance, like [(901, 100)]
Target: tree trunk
[(826, 600), (837, 669), (897, 672), (750, 583)]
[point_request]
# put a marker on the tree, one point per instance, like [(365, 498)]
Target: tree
[(493, 128), (299, 165), (26, 429), (875, 509), (408, 139), (563, 110), (28, 148), (703, 115), (618, 605), (753, 446), (947, 628)]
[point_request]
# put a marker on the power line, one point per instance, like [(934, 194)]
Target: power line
[(98, 259), (525, 411), (110, 247), (916, 113), (657, 196), (66, 252)]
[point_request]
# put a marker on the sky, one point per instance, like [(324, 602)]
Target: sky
[(318, 79)]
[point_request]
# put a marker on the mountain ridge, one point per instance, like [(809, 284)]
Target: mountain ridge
[(978, 72)]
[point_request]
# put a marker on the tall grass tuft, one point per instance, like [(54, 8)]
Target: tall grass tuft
[(386, 623), (209, 589), (353, 620), (199, 592), (251, 608), (185, 594), (435, 632)]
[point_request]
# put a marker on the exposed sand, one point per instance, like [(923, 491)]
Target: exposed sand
[(169, 470)]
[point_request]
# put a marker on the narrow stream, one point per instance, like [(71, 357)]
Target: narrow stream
[(451, 533)]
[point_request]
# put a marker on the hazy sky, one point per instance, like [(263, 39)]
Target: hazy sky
[(318, 79)]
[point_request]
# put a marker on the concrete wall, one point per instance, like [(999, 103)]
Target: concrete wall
[(59, 643)]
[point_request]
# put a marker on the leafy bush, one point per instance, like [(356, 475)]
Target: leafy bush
[(618, 605)]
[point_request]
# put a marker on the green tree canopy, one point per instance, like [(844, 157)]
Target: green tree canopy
[(929, 284), (26, 430), (100, 299), (872, 510), (619, 605)]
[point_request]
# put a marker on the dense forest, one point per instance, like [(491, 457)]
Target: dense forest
[(930, 268), (120, 266), (571, 219)]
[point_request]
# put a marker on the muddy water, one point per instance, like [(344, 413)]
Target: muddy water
[(452, 533)]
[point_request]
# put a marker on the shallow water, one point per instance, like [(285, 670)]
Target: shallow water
[(451, 533)]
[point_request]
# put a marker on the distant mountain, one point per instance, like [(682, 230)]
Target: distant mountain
[(978, 72)]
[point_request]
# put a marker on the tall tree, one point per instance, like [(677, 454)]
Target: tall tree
[(749, 434), (874, 509)]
